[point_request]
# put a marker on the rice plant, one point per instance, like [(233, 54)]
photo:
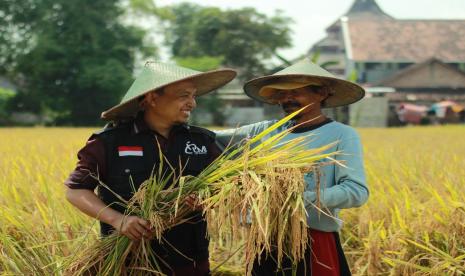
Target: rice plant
[(413, 223), (266, 179)]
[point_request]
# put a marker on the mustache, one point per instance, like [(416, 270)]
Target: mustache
[(288, 105)]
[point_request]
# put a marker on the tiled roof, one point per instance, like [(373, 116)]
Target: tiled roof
[(391, 40), (431, 73)]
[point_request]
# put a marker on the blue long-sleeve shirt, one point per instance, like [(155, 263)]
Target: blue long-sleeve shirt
[(340, 187)]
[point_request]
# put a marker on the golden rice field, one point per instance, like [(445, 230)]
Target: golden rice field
[(413, 223)]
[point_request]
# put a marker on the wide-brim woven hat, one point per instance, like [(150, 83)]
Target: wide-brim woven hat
[(300, 74), (157, 75)]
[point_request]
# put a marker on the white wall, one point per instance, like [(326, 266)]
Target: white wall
[(369, 112)]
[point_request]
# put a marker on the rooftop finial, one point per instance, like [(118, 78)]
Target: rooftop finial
[(366, 7)]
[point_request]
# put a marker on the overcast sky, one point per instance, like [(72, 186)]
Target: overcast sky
[(311, 17)]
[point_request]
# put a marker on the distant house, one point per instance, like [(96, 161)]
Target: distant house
[(411, 61), (426, 82), (238, 108), (376, 49), (423, 60)]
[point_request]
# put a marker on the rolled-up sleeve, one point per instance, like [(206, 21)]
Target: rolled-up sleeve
[(90, 166), (233, 136)]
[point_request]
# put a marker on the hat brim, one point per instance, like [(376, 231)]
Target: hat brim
[(268, 90), (342, 92), (204, 82)]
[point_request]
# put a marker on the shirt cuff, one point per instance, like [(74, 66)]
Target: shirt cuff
[(82, 182)]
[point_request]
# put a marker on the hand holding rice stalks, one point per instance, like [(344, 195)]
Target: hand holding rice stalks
[(257, 197), (259, 186)]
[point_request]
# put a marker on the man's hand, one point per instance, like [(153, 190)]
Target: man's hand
[(133, 227)]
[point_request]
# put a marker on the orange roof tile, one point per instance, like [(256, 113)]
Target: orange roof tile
[(387, 40)]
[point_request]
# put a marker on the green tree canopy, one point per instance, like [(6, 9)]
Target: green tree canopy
[(19, 20), (244, 38), (78, 58)]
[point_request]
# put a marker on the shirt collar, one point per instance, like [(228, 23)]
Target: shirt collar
[(312, 127)]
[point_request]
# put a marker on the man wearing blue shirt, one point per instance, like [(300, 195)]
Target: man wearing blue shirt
[(306, 84)]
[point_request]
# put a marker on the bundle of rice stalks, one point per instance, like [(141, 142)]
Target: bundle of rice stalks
[(159, 201), (259, 185), (257, 197)]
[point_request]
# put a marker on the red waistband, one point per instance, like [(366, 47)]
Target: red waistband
[(325, 256)]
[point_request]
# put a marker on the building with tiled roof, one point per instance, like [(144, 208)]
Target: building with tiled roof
[(398, 61), (375, 49), (378, 48), (426, 76), (406, 40)]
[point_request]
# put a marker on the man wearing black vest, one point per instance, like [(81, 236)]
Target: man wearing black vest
[(152, 114)]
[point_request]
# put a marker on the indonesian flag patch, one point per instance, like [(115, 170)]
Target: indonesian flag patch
[(130, 151)]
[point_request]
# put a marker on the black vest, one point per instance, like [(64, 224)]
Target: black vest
[(124, 171)]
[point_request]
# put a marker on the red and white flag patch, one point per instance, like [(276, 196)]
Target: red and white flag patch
[(130, 151)]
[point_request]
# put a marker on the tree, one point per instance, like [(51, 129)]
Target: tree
[(79, 60), (5, 95), (243, 38), (18, 22)]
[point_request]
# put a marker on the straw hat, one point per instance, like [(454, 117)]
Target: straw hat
[(157, 75), (301, 74)]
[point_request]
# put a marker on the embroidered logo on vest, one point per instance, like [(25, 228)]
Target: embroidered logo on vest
[(193, 149)]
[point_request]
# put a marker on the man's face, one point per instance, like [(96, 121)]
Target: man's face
[(175, 103), (292, 100)]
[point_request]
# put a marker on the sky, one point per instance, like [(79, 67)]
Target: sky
[(311, 17)]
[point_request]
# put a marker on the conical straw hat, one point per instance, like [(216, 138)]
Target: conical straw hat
[(157, 75), (301, 74)]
